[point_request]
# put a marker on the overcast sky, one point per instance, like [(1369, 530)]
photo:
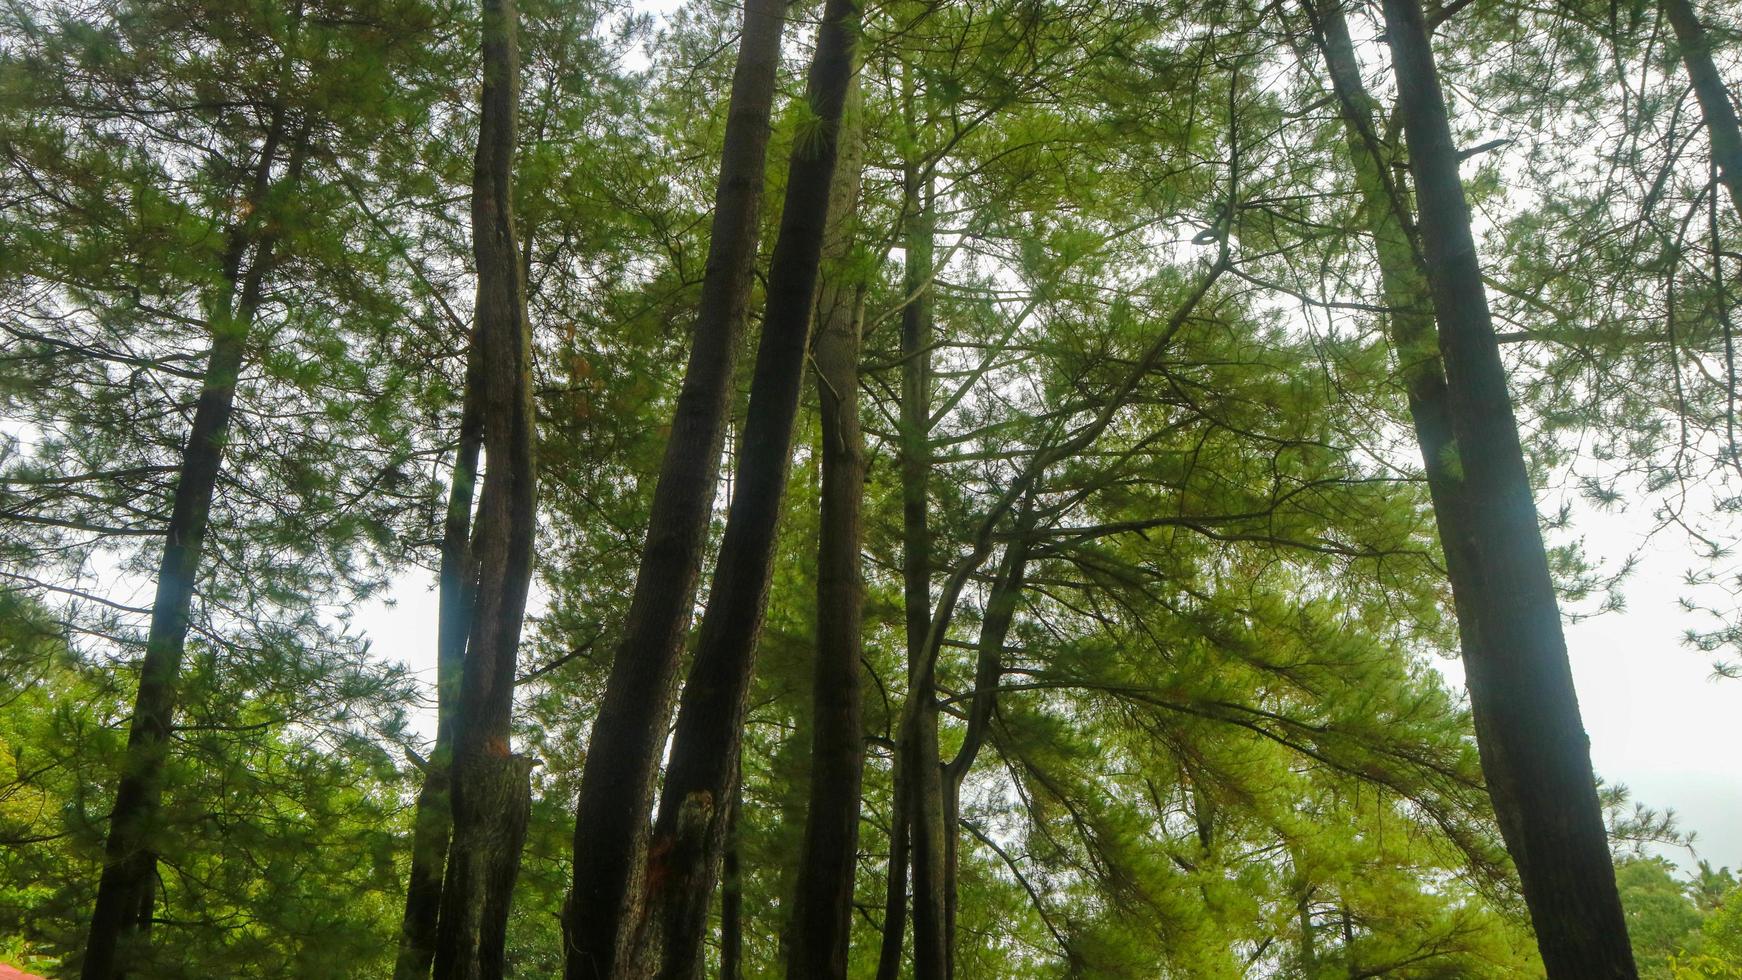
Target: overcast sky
[(1658, 722)]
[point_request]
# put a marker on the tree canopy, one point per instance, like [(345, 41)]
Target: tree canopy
[(981, 488)]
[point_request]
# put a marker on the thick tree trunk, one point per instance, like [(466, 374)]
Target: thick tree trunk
[(732, 895), (624, 749), (1535, 755), (455, 578), (1715, 103), (490, 793), (492, 802), (125, 893), (684, 856), (821, 921)]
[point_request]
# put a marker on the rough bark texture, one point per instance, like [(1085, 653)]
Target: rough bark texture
[(821, 922), (627, 738), (125, 892), (434, 826), (1535, 755), (490, 790), (684, 856), (1714, 96), (484, 863), (732, 897)]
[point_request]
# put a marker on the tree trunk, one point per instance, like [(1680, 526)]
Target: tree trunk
[(895, 878), (928, 847), (684, 855), (732, 895), (1715, 105), (915, 433), (917, 743), (988, 671), (1410, 325), (624, 749), (124, 892), (491, 794), (1307, 950), (821, 922), (1535, 755), (434, 822)]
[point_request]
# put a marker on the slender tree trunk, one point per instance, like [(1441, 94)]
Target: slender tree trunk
[(1535, 755), (624, 749), (988, 671), (434, 823), (895, 877), (684, 856), (125, 891), (929, 845), (1387, 206), (821, 922), (1308, 952), (491, 794), (1714, 95), (918, 741)]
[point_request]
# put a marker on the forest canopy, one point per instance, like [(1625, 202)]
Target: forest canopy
[(919, 488)]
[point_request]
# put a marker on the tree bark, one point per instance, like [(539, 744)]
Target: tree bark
[(624, 748), (1535, 755), (821, 921), (988, 671), (434, 822), (491, 794), (125, 896), (684, 856), (1410, 326), (1715, 102), (732, 895), (895, 878), (917, 743)]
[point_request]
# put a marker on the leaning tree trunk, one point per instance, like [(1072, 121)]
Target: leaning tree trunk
[(684, 855), (1715, 105), (125, 895), (1535, 755), (624, 749), (822, 913), (434, 822), (490, 790), (1387, 206), (988, 672)]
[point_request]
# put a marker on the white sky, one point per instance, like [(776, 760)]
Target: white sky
[(1658, 722)]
